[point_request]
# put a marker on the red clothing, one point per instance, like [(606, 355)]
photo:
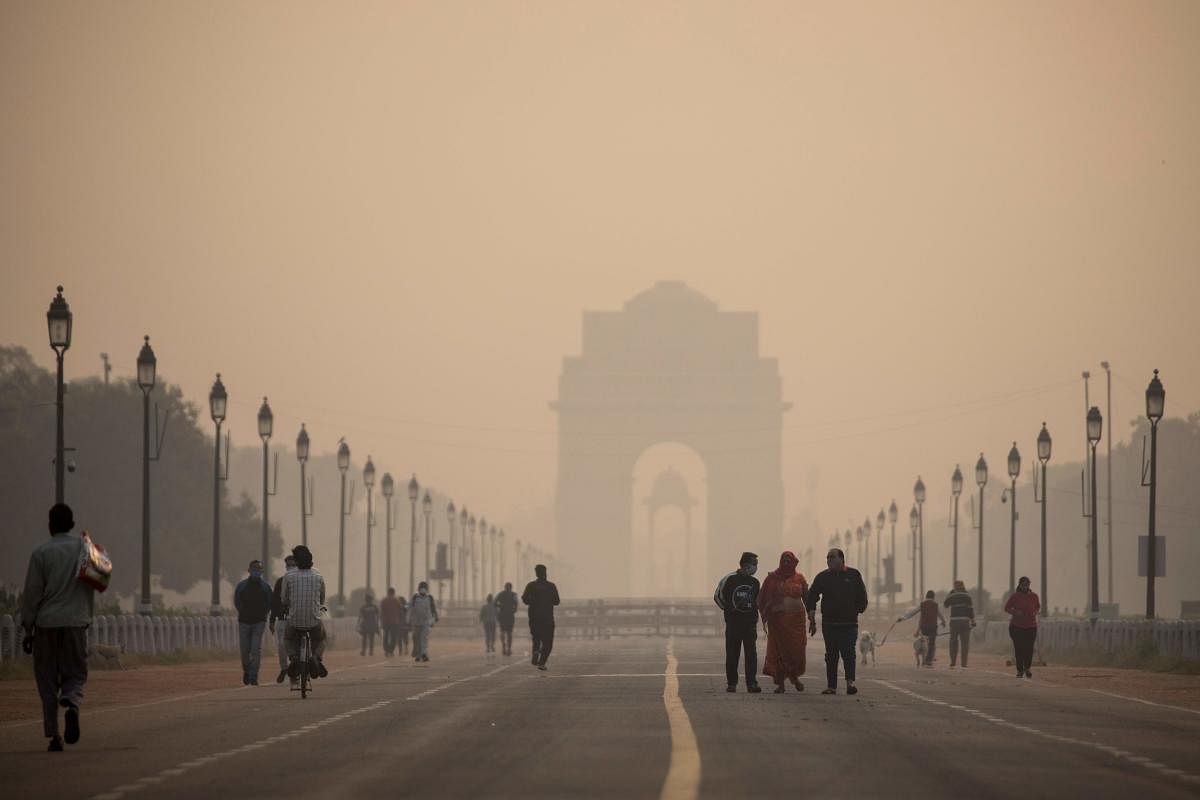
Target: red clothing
[(929, 615), (390, 612), (1024, 607), (781, 603)]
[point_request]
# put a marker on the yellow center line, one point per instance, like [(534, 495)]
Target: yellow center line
[(683, 776)]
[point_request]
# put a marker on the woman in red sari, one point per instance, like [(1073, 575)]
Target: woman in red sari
[(781, 604)]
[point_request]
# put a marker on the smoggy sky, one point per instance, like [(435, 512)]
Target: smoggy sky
[(389, 217)]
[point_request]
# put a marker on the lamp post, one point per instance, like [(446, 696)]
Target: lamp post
[(1155, 400), (1014, 470), (427, 510), (414, 491), (1108, 520), (981, 478), (879, 576), (146, 367), (893, 515), (59, 321), (866, 529), (369, 485), (956, 487), (218, 402), (1043, 451), (461, 575), (858, 537), (471, 553), (343, 463), (302, 456), (387, 487), (500, 577), (266, 425), (914, 523), (919, 496), (479, 565), (494, 559), (451, 517), (1095, 426)]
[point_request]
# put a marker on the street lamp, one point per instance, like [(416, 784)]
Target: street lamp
[(956, 487), (1043, 451), (147, 366), (893, 515), (500, 579), (59, 321), (479, 565), (879, 523), (1014, 470), (460, 578), (218, 403), (1155, 400), (388, 488), (343, 464), (451, 517), (1095, 426), (427, 509), (866, 529), (414, 491), (266, 425), (919, 496), (914, 523), (302, 457), (981, 479), (369, 485), (471, 550)]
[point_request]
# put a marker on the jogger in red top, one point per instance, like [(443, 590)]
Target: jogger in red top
[(1023, 605)]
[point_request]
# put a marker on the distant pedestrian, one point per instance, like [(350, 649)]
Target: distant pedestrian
[(1024, 606), (56, 609), (279, 615), (843, 597), (541, 596), (422, 615), (781, 603), (252, 599), (487, 616), (929, 619), (391, 616), (506, 617), (402, 644), (737, 597), (962, 620), (368, 624)]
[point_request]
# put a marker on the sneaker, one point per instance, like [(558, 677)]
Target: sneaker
[(71, 734), (425, 658), (851, 688), (829, 690), (294, 685), (245, 679), (1020, 673), (799, 686), (55, 745), (254, 681), (283, 673), (732, 687), (1028, 674), (754, 688), (779, 689), (321, 671), (542, 667)]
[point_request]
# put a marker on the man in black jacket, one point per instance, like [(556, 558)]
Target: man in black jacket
[(506, 615), (541, 596), (843, 597), (737, 596)]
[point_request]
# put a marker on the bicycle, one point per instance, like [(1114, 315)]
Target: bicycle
[(306, 654)]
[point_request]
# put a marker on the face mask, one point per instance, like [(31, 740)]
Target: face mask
[(750, 569), (423, 592), (836, 563), (256, 573)]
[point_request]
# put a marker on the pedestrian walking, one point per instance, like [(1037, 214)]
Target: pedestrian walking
[(781, 605), (252, 599), (402, 645), (843, 596), (1023, 606), (962, 620), (277, 623), (929, 619), (368, 624), (487, 616), (541, 596), (737, 597), (391, 616), (506, 617), (422, 616), (56, 609)]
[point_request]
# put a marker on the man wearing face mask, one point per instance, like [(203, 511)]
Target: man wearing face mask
[(252, 599), (843, 597), (422, 613), (737, 596)]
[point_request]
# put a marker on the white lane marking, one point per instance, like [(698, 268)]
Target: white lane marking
[(117, 792), (683, 776), (1145, 702), (1055, 686), (1116, 752)]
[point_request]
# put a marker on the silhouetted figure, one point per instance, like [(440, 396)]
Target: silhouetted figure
[(929, 617), (252, 599), (1024, 606), (279, 615), (506, 616), (56, 609), (962, 619), (487, 616), (422, 614), (843, 597), (402, 645), (391, 616), (304, 598), (541, 596), (368, 624), (737, 596)]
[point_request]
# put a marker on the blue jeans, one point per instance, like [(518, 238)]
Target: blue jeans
[(250, 637), (839, 642)]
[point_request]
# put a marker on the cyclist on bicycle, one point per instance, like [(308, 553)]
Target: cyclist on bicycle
[(303, 596)]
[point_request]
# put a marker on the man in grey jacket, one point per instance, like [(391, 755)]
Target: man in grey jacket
[(56, 609), (422, 614)]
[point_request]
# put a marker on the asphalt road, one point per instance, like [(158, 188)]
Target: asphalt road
[(605, 722)]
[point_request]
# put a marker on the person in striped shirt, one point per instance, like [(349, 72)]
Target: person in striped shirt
[(303, 596), (962, 619)]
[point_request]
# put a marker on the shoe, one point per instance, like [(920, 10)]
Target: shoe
[(254, 681), (55, 745), (754, 688), (542, 667), (283, 673), (321, 671), (1020, 673), (779, 689), (1028, 674), (799, 686), (425, 658), (851, 688), (71, 734), (732, 687), (829, 690), (951, 665), (294, 685)]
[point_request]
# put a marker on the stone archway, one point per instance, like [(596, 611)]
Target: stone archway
[(670, 366), (670, 490)]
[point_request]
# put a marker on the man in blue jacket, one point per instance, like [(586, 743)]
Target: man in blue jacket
[(252, 599)]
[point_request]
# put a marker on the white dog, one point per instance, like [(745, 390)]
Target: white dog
[(919, 645), (866, 647)]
